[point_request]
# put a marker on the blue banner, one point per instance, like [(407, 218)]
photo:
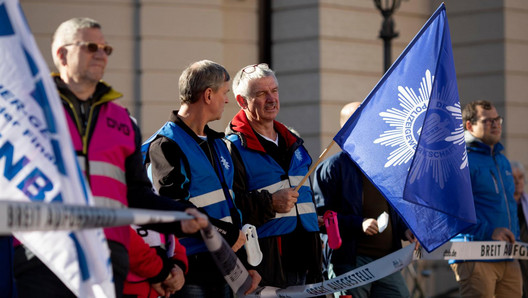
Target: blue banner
[(407, 138), (38, 163)]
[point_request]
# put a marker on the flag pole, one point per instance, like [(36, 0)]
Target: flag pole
[(315, 165)]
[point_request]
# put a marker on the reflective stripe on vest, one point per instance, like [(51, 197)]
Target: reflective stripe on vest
[(205, 188), (112, 140), (153, 239), (101, 168), (208, 199), (263, 172)]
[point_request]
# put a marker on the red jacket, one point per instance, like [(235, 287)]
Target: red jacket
[(151, 264)]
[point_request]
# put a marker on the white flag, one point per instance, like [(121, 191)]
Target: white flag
[(38, 163)]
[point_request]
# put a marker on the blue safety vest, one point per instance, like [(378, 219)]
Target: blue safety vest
[(206, 189), (264, 173)]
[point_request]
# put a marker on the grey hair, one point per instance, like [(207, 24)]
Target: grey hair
[(199, 76), (517, 165), (242, 79), (66, 32)]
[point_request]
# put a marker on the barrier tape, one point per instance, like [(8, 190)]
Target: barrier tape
[(355, 278), (477, 251), (474, 251), (18, 216)]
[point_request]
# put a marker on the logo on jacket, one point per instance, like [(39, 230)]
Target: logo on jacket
[(298, 155), (121, 127), (437, 133), (224, 162)]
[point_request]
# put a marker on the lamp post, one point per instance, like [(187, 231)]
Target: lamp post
[(387, 33)]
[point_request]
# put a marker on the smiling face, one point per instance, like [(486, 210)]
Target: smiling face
[(81, 65), (262, 104)]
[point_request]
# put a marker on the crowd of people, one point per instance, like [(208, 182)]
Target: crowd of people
[(249, 174)]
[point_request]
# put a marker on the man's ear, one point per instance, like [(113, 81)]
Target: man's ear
[(62, 53), (469, 126), (207, 95), (242, 102)]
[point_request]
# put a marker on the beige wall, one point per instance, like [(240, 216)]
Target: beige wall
[(154, 41), (176, 33)]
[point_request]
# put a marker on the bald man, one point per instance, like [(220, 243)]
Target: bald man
[(342, 187), (347, 111)]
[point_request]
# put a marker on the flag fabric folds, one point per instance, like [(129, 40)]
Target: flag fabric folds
[(38, 163), (407, 138)]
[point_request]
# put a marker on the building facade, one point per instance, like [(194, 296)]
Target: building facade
[(326, 53)]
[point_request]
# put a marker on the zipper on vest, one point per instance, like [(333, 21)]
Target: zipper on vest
[(75, 116), (89, 125)]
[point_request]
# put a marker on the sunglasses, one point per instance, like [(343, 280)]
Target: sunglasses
[(251, 68), (92, 47)]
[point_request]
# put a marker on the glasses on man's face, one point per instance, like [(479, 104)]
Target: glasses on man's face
[(491, 121), (251, 68), (92, 47)]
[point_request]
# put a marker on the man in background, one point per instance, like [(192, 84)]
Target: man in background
[(495, 206), (343, 188), (519, 179)]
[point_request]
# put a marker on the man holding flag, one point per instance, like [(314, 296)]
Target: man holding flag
[(107, 144), (493, 188), (366, 234)]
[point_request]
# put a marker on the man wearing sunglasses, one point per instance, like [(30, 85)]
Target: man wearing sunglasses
[(270, 161), (107, 143), (495, 206)]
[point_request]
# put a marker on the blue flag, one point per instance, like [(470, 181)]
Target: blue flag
[(407, 138), (38, 162)]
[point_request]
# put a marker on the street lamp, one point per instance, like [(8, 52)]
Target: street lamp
[(387, 33)]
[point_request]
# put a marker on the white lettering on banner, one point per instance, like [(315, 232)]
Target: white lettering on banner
[(35, 129)]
